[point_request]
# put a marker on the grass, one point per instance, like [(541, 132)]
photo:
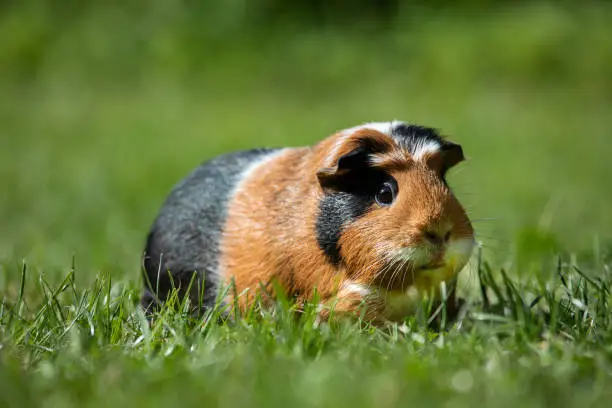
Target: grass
[(537, 342), (102, 112)]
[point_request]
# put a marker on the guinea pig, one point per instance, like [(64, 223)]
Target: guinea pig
[(364, 217)]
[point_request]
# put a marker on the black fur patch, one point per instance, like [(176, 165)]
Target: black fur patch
[(336, 210), (409, 136), (350, 199)]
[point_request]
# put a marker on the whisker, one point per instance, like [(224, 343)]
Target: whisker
[(385, 268), (401, 268), (404, 276), (395, 271)]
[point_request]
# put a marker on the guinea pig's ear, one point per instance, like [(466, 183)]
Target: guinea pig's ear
[(342, 166), (351, 155), (452, 154)]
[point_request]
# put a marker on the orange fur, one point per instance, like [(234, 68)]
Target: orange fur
[(270, 229)]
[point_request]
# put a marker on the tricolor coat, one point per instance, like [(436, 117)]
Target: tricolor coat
[(365, 216)]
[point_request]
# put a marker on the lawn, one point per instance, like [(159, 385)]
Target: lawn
[(103, 110)]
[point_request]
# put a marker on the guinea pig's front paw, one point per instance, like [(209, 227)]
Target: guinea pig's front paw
[(351, 306)]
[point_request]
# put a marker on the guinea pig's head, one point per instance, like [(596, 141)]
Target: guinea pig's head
[(387, 213)]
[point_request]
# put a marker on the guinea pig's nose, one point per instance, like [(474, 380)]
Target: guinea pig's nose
[(437, 236)]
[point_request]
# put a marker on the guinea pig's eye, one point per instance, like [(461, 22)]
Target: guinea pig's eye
[(386, 193)]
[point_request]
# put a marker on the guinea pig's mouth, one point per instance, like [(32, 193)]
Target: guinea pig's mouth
[(416, 259), (423, 258), (422, 266), (399, 275)]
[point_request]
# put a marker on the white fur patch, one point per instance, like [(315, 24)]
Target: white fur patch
[(424, 148), (382, 127), (419, 151), (353, 287), (252, 167), (374, 160)]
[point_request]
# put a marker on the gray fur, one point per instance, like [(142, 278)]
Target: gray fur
[(186, 234)]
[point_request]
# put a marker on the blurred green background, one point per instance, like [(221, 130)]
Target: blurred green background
[(104, 105)]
